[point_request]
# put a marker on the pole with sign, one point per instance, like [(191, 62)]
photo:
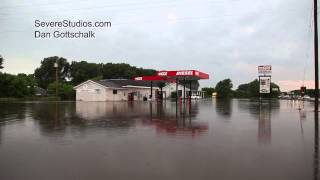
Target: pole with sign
[(264, 80)]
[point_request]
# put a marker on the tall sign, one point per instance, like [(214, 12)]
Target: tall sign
[(265, 84), (266, 69), (264, 79)]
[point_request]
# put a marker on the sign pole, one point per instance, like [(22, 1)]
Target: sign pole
[(151, 89), (259, 89), (177, 94), (270, 90), (57, 79)]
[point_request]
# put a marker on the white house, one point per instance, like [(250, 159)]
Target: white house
[(124, 90)]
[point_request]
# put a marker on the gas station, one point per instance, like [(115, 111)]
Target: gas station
[(176, 76), (178, 84)]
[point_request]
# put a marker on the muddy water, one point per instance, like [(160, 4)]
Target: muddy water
[(235, 139)]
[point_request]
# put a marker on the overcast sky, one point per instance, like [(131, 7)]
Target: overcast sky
[(225, 38)]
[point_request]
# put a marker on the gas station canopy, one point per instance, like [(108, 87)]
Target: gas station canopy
[(151, 78), (175, 75)]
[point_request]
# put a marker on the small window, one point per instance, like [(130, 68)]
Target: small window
[(115, 91)]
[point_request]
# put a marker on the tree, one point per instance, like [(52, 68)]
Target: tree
[(1, 62), (251, 90), (208, 91), (275, 93), (122, 70), (223, 88), (46, 73), (248, 90), (65, 91), (82, 71), (20, 85)]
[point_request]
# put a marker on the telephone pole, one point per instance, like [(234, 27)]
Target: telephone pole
[(316, 73), (316, 93)]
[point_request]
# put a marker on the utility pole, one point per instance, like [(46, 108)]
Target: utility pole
[(316, 93), (57, 79), (316, 73)]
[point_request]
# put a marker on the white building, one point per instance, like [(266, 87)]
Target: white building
[(124, 90)]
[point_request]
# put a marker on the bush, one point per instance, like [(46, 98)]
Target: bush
[(20, 85), (65, 91)]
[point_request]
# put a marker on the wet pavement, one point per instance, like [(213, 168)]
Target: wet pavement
[(231, 139)]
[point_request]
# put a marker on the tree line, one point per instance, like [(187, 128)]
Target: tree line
[(20, 85), (69, 74), (72, 73), (77, 72), (247, 90)]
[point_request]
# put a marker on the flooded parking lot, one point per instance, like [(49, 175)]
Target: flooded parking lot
[(231, 139)]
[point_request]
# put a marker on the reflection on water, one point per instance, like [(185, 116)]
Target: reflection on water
[(316, 147), (262, 111), (162, 116), (224, 107), (264, 132), (229, 139)]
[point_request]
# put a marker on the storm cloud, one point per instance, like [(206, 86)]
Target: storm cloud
[(225, 38)]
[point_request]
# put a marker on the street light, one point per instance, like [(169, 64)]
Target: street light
[(56, 66)]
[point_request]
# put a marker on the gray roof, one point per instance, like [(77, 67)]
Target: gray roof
[(119, 83), (40, 91)]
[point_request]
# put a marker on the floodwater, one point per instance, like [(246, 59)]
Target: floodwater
[(209, 139)]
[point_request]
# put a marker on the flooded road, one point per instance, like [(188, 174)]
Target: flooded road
[(235, 139)]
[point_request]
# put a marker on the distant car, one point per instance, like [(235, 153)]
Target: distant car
[(306, 97), (195, 97)]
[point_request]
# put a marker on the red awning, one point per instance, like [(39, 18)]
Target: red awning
[(153, 78), (184, 74), (171, 76)]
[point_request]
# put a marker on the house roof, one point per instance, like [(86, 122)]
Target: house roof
[(40, 91), (121, 83)]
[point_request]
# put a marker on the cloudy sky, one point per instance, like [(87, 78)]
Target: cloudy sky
[(225, 38)]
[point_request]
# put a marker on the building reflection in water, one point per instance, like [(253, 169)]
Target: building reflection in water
[(164, 117), (181, 123)]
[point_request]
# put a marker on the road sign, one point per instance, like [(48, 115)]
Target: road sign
[(266, 69), (265, 82)]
